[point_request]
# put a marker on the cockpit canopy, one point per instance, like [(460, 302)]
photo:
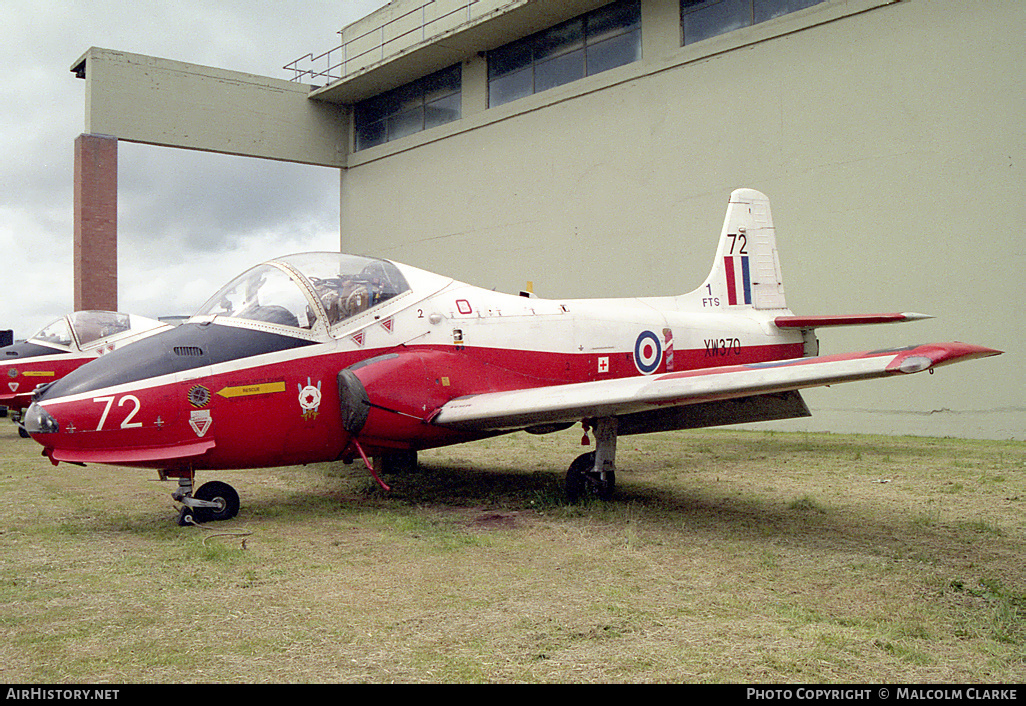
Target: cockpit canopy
[(83, 327), (297, 291)]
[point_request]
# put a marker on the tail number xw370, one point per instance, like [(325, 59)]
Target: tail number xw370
[(127, 423), (722, 346)]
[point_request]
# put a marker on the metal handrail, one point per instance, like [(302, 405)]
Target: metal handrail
[(340, 70)]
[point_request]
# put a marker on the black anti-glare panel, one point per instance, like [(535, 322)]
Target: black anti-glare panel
[(182, 348)]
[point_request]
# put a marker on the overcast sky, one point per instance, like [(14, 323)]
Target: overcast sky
[(187, 221)]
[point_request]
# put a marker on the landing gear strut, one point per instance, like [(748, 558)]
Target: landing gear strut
[(212, 502), (18, 417), (594, 474)]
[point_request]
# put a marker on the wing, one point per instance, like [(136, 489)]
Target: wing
[(520, 409)]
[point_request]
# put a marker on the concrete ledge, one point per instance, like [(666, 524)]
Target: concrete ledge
[(155, 101)]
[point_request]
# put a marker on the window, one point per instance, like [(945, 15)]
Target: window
[(428, 102), (347, 285), (56, 332), (281, 291), (584, 46), (263, 293), (701, 19), (92, 325)]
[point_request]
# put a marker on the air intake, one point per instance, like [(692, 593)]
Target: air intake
[(188, 351)]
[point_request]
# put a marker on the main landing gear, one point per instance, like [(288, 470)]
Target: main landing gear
[(212, 501), (593, 474)]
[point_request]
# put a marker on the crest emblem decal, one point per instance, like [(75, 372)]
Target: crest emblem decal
[(310, 399), (200, 421), (199, 396)]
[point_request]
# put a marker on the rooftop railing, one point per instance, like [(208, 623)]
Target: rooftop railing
[(379, 43)]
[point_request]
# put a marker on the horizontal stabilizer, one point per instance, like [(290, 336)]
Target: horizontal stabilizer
[(807, 322), (518, 409)]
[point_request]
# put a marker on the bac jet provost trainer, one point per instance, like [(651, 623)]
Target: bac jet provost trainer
[(324, 356), (62, 346)]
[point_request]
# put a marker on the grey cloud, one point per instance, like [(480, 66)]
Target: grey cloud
[(187, 221)]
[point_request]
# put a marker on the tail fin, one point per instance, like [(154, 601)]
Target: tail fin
[(746, 271)]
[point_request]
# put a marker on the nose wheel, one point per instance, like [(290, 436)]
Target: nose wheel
[(212, 502)]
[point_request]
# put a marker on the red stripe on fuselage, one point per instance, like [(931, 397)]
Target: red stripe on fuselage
[(269, 421)]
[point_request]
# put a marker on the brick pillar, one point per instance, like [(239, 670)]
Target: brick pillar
[(96, 222)]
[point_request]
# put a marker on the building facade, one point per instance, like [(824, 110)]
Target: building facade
[(589, 148)]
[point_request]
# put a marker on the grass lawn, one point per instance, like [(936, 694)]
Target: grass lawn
[(727, 556)]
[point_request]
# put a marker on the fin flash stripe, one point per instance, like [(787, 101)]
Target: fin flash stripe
[(734, 286)]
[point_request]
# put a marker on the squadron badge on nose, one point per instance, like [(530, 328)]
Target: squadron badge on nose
[(310, 399)]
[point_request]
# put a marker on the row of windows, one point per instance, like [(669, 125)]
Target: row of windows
[(428, 102), (584, 46), (701, 19)]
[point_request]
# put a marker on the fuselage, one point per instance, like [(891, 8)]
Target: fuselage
[(63, 346), (223, 391), (26, 365)]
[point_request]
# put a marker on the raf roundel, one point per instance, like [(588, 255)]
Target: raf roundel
[(648, 353)]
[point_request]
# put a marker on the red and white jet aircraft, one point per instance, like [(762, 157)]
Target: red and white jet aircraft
[(62, 346), (323, 356)]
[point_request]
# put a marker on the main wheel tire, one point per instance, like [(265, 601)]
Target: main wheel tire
[(216, 492), (583, 481)]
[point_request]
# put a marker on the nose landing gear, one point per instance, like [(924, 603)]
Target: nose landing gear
[(212, 501)]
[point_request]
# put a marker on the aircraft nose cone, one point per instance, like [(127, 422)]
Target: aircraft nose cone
[(39, 421)]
